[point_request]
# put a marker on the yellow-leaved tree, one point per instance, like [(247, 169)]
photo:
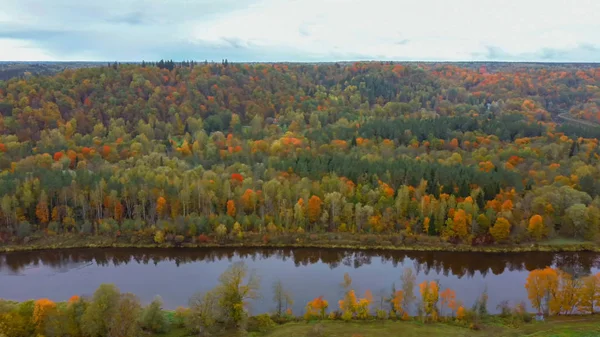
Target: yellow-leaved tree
[(589, 294), (501, 230), (565, 298), (430, 294), (540, 285)]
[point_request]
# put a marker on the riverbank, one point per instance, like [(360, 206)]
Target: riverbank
[(554, 326), (324, 241)]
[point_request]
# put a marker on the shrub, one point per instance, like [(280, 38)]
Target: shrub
[(271, 228), (54, 227), (264, 322), (105, 227), (24, 229), (221, 230), (86, 227), (193, 230), (181, 314), (159, 237), (128, 225), (180, 225), (381, 314), (154, 319), (203, 238)]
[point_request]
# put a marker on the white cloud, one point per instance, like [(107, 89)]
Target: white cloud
[(533, 30), (452, 30), (22, 51)]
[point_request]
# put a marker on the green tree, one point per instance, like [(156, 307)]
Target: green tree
[(124, 321), (96, 321), (154, 318)]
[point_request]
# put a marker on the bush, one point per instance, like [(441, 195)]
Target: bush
[(193, 230), (181, 314), (264, 322), (347, 316), (180, 225), (107, 227), (159, 237), (129, 225), (381, 314), (54, 227), (86, 227), (24, 229), (154, 319)]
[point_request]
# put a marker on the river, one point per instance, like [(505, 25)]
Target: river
[(176, 274)]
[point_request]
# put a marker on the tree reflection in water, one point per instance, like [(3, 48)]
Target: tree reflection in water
[(457, 264)]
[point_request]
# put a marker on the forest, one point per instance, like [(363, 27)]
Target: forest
[(183, 153), (224, 310)]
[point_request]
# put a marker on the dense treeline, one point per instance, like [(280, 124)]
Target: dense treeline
[(225, 309), (186, 152)]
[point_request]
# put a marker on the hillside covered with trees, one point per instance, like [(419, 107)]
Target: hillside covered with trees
[(218, 152)]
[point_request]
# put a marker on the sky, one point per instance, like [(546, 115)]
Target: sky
[(300, 30)]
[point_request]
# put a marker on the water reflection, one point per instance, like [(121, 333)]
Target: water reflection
[(457, 264)]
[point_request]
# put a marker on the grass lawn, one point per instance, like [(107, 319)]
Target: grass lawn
[(585, 326), (571, 326)]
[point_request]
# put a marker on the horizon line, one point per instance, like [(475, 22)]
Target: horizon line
[(302, 62)]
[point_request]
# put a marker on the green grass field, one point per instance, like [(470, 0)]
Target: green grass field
[(573, 326)]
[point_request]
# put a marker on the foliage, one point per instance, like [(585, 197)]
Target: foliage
[(501, 229), (179, 150), (430, 297), (111, 313), (153, 317)]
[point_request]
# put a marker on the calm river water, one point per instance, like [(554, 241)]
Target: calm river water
[(177, 274)]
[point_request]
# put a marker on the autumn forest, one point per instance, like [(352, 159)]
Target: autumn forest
[(193, 153)]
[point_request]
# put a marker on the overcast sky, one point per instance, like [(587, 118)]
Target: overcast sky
[(301, 30)]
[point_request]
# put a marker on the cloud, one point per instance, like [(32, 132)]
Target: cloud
[(581, 53), (301, 30)]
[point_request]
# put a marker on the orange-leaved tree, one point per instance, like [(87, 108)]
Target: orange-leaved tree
[(161, 206), (448, 299), (459, 224), (314, 208), (41, 310), (461, 313), (536, 227), (231, 208), (351, 306), (397, 301), (316, 308), (249, 199)]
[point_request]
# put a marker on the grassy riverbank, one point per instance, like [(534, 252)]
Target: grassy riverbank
[(339, 241), (567, 326)]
